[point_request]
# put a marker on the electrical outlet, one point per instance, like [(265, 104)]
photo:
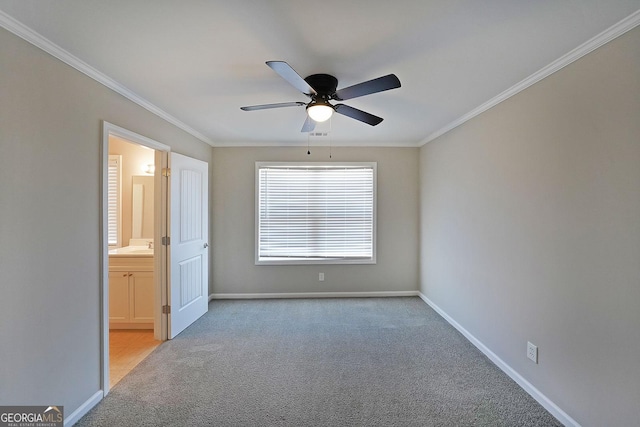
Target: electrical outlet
[(532, 352), (321, 277)]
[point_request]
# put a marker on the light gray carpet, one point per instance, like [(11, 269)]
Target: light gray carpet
[(318, 362)]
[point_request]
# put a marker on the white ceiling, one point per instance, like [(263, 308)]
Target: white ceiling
[(200, 61)]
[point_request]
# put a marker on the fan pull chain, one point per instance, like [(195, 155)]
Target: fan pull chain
[(330, 134), (308, 138)]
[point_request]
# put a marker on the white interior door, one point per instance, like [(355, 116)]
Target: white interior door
[(188, 247)]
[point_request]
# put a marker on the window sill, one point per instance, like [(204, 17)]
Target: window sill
[(302, 261)]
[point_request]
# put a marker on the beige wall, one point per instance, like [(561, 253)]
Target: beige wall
[(50, 199), (530, 230), (233, 181)]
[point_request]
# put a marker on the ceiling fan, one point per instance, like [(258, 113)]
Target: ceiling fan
[(321, 88)]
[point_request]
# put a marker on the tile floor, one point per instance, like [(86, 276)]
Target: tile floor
[(127, 348)]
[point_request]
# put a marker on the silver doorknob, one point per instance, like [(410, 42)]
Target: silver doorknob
[(206, 245)]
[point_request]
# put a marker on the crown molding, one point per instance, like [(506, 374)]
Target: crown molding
[(589, 46), (19, 29), (315, 143)]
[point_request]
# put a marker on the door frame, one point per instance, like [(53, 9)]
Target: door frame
[(160, 251)]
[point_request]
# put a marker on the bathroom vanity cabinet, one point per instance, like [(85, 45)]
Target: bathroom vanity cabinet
[(131, 292)]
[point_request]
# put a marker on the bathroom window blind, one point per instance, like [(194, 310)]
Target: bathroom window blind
[(114, 200), (309, 213)]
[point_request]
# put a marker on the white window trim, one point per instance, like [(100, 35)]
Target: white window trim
[(118, 159), (372, 260)]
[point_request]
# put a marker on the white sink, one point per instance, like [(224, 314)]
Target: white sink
[(137, 251)]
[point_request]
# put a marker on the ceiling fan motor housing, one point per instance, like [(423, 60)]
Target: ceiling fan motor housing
[(324, 84)]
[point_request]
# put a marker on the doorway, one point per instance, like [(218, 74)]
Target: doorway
[(134, 260), (178, 279), (130, 236)]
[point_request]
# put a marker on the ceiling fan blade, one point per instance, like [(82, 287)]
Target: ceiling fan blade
[(354, 113), (267, 106), (309, 125), (380, 84), (289, 74)]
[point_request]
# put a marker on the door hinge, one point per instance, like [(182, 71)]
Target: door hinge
[(166, 171), (166, 241), (166, 309)]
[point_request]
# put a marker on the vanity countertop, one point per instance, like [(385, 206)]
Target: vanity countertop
[(132, 251)]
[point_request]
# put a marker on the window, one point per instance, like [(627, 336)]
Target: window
[(310, 213), (114, 234)]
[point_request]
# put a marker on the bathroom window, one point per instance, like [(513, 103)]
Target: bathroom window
[(114, 210), (313, 213)]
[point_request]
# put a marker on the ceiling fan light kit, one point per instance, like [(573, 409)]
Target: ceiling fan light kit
[(322, 88), (320, 111)]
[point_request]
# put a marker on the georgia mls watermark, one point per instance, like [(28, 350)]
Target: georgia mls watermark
[(31, 416)]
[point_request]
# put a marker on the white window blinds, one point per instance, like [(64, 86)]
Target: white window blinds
[(308, 213), (113, 199)]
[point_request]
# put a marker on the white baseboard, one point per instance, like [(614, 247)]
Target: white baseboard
[(554, 409), (315, 295), (84, 408)]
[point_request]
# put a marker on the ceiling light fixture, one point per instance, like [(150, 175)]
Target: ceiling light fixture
[(148, 169), (320, 111)]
